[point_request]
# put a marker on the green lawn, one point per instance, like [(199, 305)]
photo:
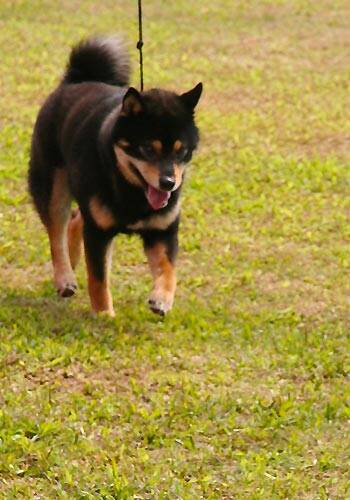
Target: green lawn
[(243, 390)]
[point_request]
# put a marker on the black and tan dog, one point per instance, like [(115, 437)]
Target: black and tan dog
[(121, 155)]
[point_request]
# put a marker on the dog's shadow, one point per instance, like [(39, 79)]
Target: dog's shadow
[(42, 314)]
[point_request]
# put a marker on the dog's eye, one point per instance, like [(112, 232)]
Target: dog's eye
[(181, 153), (146, 150)]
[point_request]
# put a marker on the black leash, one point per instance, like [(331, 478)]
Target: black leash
[(140, 44)]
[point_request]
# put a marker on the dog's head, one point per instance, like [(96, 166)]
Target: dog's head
[(154, 138)]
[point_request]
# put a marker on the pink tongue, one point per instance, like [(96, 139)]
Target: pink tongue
[(157, 199)]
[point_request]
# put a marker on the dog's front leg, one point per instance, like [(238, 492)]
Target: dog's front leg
[(98, 254), (161, 250)]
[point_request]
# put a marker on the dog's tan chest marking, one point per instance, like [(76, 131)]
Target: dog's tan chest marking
[(102, 216), (157, 221), (123, 161)]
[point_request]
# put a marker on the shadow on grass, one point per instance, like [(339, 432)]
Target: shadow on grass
[(34, 316), (42, 314)]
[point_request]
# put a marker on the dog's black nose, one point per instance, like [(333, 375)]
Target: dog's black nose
[(166, 183)]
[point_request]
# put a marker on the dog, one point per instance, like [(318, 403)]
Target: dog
[(121, 155)]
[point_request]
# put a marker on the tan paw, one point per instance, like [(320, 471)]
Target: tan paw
[(66, 287), (160, 302)]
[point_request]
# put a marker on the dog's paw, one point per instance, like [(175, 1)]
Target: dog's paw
[(160, 302), (66, 288)]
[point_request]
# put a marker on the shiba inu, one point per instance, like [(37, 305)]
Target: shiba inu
[(121, 154)]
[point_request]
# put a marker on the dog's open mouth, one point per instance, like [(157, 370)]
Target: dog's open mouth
[(156, 198)]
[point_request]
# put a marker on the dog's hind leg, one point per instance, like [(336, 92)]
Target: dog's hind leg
[(75, 237), (56, 222)]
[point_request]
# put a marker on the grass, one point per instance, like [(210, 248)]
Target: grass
[(243, 390)]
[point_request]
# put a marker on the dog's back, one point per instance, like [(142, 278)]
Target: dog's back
[(96, 67)]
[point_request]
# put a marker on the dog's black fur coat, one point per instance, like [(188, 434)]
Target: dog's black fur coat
[(77, 130)]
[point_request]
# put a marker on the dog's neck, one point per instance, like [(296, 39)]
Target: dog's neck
[(106, 130)]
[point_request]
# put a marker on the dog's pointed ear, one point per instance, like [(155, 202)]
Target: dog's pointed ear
[(132, 102), (191, 98)]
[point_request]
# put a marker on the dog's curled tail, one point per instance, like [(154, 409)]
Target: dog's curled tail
[(99, 59)]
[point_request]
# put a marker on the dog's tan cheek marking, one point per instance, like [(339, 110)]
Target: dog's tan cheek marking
[(178, 172), (149, 172), (101, 214), (177, 145), (123, 163)]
